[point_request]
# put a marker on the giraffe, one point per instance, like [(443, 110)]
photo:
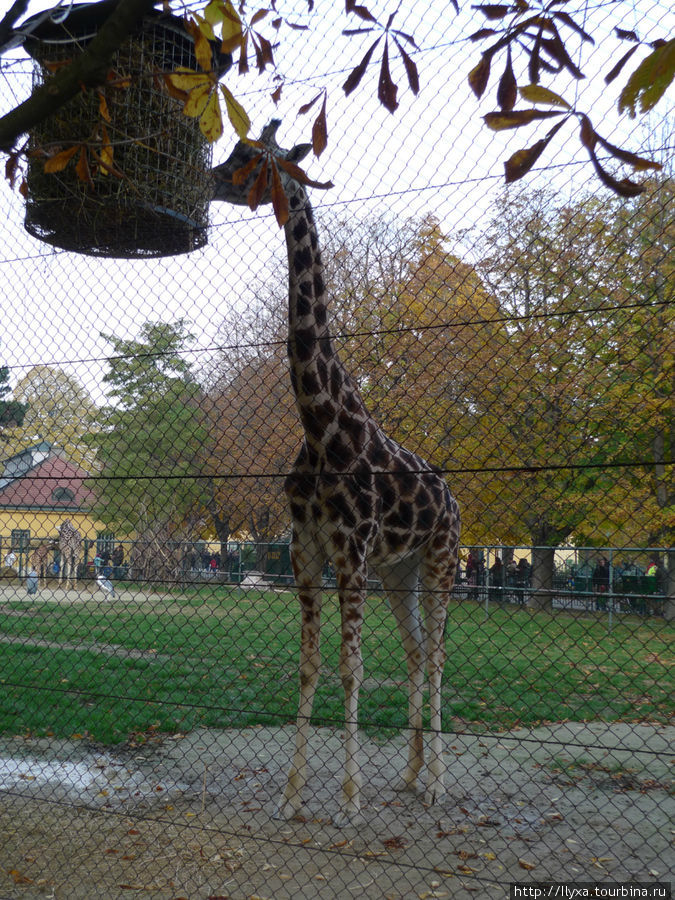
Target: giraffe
[(69, 548), (40, 561), (357, 498)]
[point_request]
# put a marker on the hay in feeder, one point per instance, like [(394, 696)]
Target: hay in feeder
[(155, 200)]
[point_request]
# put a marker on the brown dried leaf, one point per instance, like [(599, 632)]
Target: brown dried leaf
[(611, 75), (507, 90), (480, 75), (301, 176), (259, 16), (410, 69), (524, 864), (626, 35), (362, 12), (307, 106), (499, 121), (357, 74), (258, 188), (493, 11), (279, 198), (587, 133), (639, 163), (82, 168), (386, 89), (320, 131), (59, 161), (240, 175), (103, 106), (520, 163)]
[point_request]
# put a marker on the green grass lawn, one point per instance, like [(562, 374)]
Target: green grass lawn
[(219, 658)]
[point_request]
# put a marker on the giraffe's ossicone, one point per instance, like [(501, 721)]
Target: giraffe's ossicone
[(358, 499)]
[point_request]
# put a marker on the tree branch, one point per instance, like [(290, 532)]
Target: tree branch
[(88, 69)]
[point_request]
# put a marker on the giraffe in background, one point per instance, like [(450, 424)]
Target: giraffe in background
[(69, 548), (40, 561), (357, 498)]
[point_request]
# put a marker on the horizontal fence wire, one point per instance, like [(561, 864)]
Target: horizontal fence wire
[(336, 556)]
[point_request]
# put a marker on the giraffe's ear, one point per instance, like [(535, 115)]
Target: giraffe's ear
[(298, 152)]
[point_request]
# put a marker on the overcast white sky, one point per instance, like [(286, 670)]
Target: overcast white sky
[(434, 155)]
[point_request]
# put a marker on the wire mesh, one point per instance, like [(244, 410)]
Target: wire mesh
[(519, 340)]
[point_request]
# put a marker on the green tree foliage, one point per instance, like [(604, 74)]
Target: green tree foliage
[(149, 443), (59, 410), (11, 411)]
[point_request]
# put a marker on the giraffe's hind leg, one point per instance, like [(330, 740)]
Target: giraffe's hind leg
[(308, 561), (437, 577), (401, 582)]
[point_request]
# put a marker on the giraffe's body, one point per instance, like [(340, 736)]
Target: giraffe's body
[(40, 561), (69, 549), (357, 498)]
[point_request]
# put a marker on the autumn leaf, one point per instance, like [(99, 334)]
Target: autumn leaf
[(211, 119), (279, 198), (480, 75), (236, 113), (649, 81), (507, 90), (535, 93), (103, 107), (516, 118), (386, 89), (59, 161), (259, 187), (320, 131), (355, 76)]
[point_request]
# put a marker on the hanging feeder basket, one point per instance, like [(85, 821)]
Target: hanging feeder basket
[(139, 184)]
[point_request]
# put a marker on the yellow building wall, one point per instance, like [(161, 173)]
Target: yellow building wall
[(46, 524)]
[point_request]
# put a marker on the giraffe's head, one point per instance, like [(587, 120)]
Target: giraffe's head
[(244, 154)]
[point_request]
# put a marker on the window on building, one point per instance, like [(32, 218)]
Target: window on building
[(20, 539), (60, 494), (105, 542)]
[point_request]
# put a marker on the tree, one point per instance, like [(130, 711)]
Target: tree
[(587, 391), (12, 412), (59, 410), (149, 445), (254, 427), (538, 42)]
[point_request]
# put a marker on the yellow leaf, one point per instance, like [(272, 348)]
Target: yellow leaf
[(59, 161), (202, 47), (103, 106), (211, 120), (524, 864), (186, 79), (214, 12), (236, 113), (198, 99), (535, 93), (106, 157), (232, 29)]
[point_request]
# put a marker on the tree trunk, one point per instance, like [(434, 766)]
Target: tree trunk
[(542, 578)]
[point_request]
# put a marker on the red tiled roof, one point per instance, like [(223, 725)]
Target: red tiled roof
[(43, 486)]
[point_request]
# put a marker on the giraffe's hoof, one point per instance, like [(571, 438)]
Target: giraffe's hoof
[(286, 810), (406, 784), (345, 819), (434, 793)]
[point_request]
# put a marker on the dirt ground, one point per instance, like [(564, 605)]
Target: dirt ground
[(190, 816)]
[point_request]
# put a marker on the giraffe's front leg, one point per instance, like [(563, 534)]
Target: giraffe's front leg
[(435, 602), (352, 590), (308, 575)]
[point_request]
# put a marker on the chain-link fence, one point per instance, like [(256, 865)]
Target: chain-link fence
[(440, 345)]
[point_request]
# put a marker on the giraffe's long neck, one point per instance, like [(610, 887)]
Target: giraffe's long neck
[(328, 401)]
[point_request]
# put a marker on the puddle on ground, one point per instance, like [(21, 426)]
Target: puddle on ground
[(98, 782)]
